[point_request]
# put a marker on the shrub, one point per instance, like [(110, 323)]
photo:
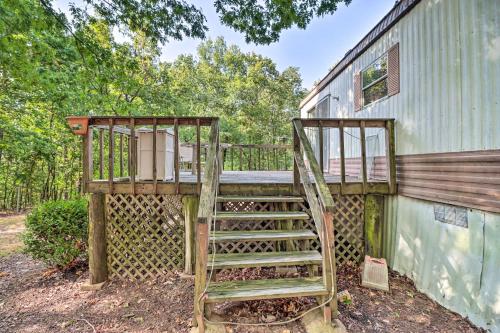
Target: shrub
[(56, 232)]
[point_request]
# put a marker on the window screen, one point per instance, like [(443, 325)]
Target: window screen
[(374, 81)]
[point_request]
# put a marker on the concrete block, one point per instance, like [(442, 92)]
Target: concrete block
[(375, 274), (315, 323), (92, 287)]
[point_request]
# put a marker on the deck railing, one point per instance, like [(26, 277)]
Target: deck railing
[(355, 165), (319, 197), (119, 170), (257, 157), (322, 207), (205, 217)]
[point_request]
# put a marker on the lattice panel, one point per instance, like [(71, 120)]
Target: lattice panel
[(348, 223), (348, 219), (145, 235), (242, 247)]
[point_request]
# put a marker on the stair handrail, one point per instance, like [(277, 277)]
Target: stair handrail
[(321, 205), (205, 218)]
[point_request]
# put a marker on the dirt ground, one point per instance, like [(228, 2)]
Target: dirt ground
[(36, 299), (11, 228)]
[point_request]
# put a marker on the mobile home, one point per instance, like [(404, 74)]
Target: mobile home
[(433, 66)]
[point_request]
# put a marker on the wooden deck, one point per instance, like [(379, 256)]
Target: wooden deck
[(239, 182)]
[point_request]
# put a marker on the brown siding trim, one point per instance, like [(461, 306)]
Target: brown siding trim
[(469, 179), (399, 11)]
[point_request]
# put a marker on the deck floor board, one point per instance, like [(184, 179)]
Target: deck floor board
[(248, 177)]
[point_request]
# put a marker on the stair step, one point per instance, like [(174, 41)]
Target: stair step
[(264, 289), (236, 198), (252, 216), (261, 235), (267, 259)]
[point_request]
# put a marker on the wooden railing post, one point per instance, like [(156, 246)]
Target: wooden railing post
[(155, 177), (322, 207), (200, 281), (363, 156), (205, 211), (133, 155), (342, 156), (121, 154), (198, 156), (330, 269), (101, 153), (296, 150), (391, 156), (88, 164), (176, 155), (321, 143), (111, 161)]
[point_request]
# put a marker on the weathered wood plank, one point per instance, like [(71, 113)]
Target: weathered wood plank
[(321, 143), (207, 196), (335, 123), (111, 157), (312, 199), (121, 155), (261, 216), (133, 155), (125, 120), (329, 263), (198, 156), (363, 155), (266, 259), (261, 235), (190, 209), (101, 154), (87, 160), (342, 155), (236, 198), (296, 173), (98, 266), (391, 156), (264, 289), (200, 271), (155, 178), (176, 154), (324, 195)]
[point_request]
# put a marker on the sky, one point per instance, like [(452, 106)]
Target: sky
[(313, 50)]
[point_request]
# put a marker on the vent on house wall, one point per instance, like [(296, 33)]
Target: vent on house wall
[(451, 215)]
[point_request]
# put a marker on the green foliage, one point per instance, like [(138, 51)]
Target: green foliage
[(47, 74), (56, 231), (263, 21), (260, 21)]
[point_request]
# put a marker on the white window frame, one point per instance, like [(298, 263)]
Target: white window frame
[(383, 77)]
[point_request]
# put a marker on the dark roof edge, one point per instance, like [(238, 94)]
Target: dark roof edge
[(399, 10)]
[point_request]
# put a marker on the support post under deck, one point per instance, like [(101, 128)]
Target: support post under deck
[(98, 266)]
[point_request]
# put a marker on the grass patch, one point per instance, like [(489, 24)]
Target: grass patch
[(11, 228)]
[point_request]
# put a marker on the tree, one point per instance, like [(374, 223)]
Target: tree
[(262, 22), (47, 74)]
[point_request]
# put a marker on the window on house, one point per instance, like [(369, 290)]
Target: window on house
[(374, 81)]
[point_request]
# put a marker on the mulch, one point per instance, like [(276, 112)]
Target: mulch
[(34, 298)]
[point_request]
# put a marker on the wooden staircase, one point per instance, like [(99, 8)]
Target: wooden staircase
[(270, 288), (320, 202)]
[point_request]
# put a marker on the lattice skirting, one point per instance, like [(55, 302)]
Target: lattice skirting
[(145, 235), (348, 219), (241, 247), (349, 228)]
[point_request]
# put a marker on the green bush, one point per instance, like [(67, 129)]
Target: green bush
[(56, 232)]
